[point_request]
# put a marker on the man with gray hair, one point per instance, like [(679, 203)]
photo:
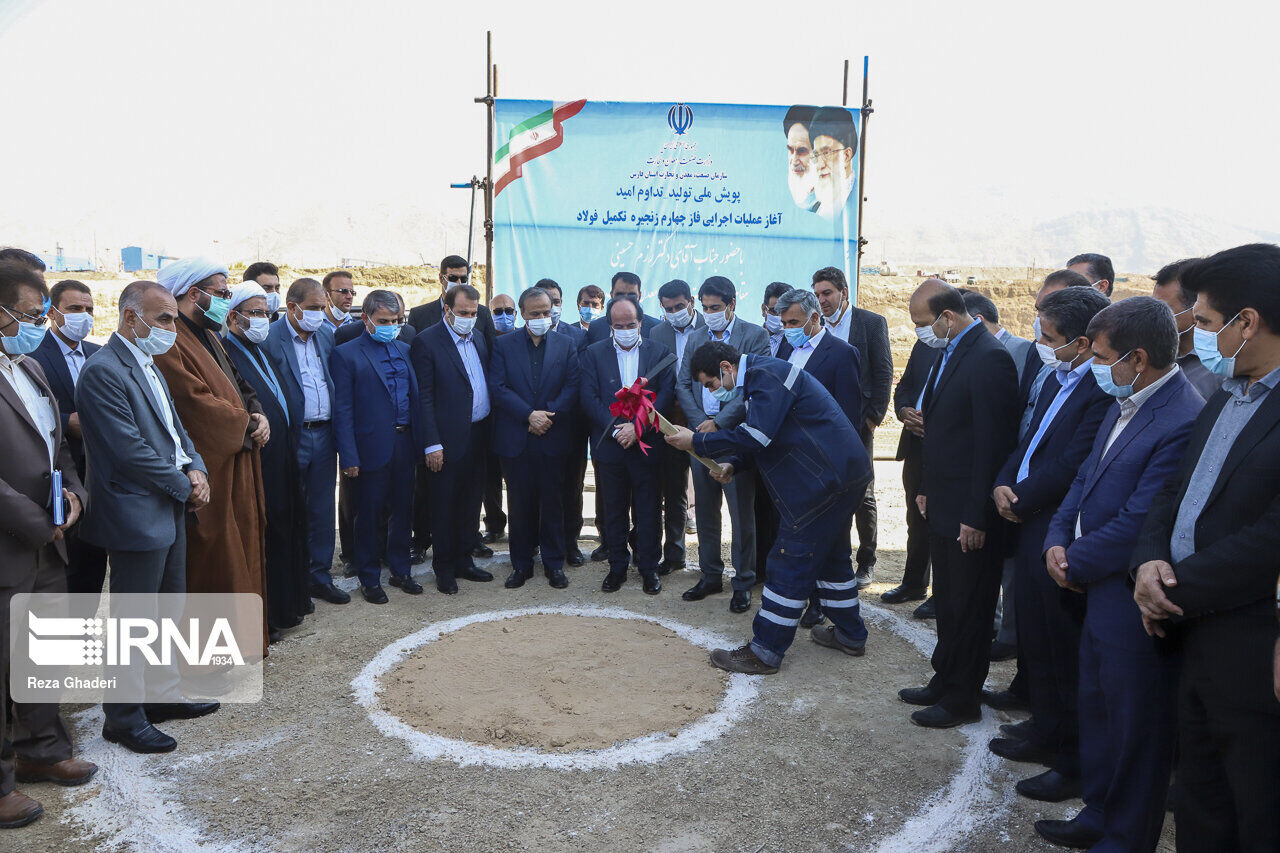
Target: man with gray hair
[(375, 400), (835, 364)]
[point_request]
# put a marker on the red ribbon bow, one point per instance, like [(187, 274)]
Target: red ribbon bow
[(635, 404)]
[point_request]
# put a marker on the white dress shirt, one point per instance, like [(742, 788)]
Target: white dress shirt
[(38, 406), (475, 374), (74, 358), (800, 355), (840, 328), (180, 457), (628, 364)]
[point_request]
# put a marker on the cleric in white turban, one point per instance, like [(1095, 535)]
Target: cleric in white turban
[(180, 276)]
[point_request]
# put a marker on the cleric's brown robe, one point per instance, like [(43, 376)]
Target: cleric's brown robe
[(225, 540)]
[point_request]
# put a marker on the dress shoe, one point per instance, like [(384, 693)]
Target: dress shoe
[(901, 593), (812, 615), (471, 573), (69, 772), (1002, 651), (865, 576), (1017, 749), (1018, 731), (448, 586), (159, 712), (330, 593), (311, 606), (575, 558), (1049, 787), (1003, 700), (274, 636), (927, 610), (406, 584), (938, 717), (652, 586), (666, 567), (417, 556), (742, 660), (599, 555), (374, 594), (741, 601), (1068, 833), (919, 695), (516, 579), (613, 581), (491, 536), (690, 526), (556, 578), (826, 636), (144, 739), (482, 551), (702, 589), (17, 809)]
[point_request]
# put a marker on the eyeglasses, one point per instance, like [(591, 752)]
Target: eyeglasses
[(221, 294), (398, 321), (826, 154), (345, 291), (33, 319), (260, 314), (503, 312), (456, 279)]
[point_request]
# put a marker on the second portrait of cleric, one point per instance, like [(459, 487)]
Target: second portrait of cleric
[(821, 144)]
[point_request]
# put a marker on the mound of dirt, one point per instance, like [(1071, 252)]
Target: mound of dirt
[(554, 682)]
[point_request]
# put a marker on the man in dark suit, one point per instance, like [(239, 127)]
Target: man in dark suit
[(1126, 677), (908, 399), (451, 359), (146, 476), (1031, 484), (575, 457), (868, 333), (533, 382), (627, 474), (340, 295), (969, 413), (299, 351), (375, 395), (810, 346), (624, 285), (454, 271), (706, 413), (62, 354), (33, 556), (1208, 557), (681, 323), (1169, 290)]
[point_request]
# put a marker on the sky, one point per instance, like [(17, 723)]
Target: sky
[(187, 122)]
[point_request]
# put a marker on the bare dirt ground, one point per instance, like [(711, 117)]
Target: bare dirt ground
[(823, 759)]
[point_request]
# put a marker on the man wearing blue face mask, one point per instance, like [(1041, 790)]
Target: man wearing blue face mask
[(1031, 484), (375, 400), (1126, 706), (503, 309), (63, 354), (590, 305), (1208, 558), (1169, 290)]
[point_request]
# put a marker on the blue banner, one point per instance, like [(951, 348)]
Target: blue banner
[(586, 189)]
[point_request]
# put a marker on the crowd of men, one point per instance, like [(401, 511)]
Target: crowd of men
[(1101, 502)]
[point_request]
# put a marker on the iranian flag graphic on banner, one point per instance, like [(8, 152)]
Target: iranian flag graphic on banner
[(533, 137)]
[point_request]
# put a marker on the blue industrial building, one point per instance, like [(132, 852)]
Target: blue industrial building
[(62, 263), (135, 259)]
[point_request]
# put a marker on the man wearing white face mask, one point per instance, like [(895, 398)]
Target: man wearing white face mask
[(707, 413), (286, 560), (1169, 290), (63, 354), (299, 348), (267, 276), (772, 322)]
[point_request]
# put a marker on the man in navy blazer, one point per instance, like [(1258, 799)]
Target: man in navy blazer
[(1126, 677), (533, 383), (451, 359), (375, 405), (299, 350), (627, 475), (1027, 492), (624, 285), (62, 354)]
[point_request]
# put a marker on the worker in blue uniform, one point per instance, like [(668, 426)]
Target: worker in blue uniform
[(816, 469)]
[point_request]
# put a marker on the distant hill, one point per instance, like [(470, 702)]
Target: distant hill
[(1137, 240)]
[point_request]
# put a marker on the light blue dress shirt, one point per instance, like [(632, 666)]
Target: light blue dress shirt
[(1069, 379), (315, 392), (710, 404), (942, 363)]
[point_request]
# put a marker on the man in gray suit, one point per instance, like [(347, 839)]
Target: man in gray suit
[(706, 413), (1005, 645), (144, 473), (681, 323)]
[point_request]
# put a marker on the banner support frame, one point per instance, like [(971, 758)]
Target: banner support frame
[(866, 112), (491, 92)]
